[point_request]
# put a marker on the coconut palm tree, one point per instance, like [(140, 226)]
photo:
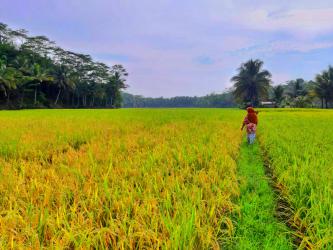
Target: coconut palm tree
[(252, 82), (8, 78), (4, 82), (63, 80), (324, 86), (38, 77)]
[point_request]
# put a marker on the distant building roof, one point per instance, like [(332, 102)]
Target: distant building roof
[(267, 103)]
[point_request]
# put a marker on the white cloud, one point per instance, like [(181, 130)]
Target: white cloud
[(298, 21)]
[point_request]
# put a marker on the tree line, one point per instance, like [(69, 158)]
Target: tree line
[(253, 84), (224, 100), (35, 72)]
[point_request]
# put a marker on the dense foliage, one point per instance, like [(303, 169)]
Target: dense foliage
[(252, 82), (224, 100), (35, 72), (252, 85)]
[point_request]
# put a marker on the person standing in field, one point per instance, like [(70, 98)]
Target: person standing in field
[(251, 122)]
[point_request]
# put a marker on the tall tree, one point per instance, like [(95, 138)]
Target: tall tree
[(278, 94), (116, 82), (63, 80), (252, 82), (8, 78), (38, 76), (324, 86)]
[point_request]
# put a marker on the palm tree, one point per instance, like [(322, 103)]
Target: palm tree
[(63, 80), (324, 86), (252, 82), (38, 77), (4, 82), (8, 78)]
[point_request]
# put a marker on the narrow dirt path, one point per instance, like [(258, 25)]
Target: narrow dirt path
[(257, 226)]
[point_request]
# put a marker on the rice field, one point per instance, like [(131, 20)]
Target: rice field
[(160, 178), (299, 144), (121, 179)]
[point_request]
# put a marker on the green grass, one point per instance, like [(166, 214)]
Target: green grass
[(257, 228)]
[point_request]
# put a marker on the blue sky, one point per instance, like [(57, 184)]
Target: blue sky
[(186, 47)]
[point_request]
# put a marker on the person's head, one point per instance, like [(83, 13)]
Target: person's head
[(250, 110)]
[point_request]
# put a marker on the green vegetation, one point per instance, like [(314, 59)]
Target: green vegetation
[(257, 227), (299, 146), (252, 85), (252, 82), (224, 100), (35, 72), (324, 87)]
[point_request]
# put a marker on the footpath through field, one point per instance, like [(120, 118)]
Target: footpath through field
[(257, 227)]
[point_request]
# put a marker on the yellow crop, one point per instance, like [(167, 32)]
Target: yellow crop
[(126, 179)]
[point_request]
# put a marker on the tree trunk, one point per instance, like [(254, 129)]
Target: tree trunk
[(84, 101), (322, 103), (8, 95), (326, 103), (78, 101), (56, 101), (35, 100), (22, 98)]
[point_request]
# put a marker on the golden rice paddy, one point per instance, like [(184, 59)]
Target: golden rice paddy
[(153, 178)]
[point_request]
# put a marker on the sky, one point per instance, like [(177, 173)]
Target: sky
[(186, 47)]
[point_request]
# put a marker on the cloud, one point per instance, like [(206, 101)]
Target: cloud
[(309, 22)]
